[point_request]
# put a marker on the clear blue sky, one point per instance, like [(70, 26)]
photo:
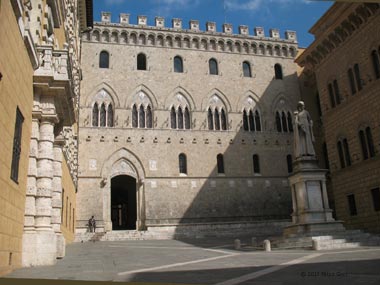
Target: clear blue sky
[(297, 15)]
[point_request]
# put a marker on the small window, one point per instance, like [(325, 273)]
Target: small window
[(134, 117), (290, 122), (187, 119), (245, 121), (182, 163), (178, 64), (95, 115), (346, 152), (336, 91), (376, 63), (223, 119), (289, 162), (17, 145), (352, 205), (371, 147), (173, 118), (376, 199), (278, 71), (247, 69), (141, 117), (220, 163), (363, 144), (352, 81), (104, 59), (210, 119), (358, 78), (141, 61), (278, 122), (213, 67), (110, 116), (331, 95), (149, 117), (103, 115), (256, 164), (340, 154)]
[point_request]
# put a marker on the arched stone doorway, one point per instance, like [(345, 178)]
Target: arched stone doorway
[(123, 203)]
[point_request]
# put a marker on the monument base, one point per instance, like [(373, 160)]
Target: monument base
[(313, 229)]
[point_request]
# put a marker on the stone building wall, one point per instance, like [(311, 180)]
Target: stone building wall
[(349, 39), (164, 196)]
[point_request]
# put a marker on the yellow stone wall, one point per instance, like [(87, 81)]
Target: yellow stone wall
[(16, 90), (69, 205)]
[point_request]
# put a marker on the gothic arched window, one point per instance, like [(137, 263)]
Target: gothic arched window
[(247, 69), (278, 122), (256, 164), (109, 116), (210, 119), (284, 122), (178, 64), (213, 66), (134, 117), (278, 71), (141, 117), (343, 153), (141, 61), (366, 142), (187, 119), (257, 121), (223, 119), (149, 117), (103, 115), (95, 115), (376, 63), (245, 121), (180, 118), (182, 163), (173, 118), (290, 122), (220, 163), (104, 59), (217, 119), (251, 121)]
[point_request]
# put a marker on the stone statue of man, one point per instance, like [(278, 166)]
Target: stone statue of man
[(303, 132)]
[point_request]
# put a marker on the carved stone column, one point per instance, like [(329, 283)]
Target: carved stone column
[(29, 235), (141, 226), (56, 218)]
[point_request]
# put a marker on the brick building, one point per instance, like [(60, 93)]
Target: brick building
[(344, 59)]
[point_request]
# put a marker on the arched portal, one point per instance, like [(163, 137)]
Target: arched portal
[(123, 202)]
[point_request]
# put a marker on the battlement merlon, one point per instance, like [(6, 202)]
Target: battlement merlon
[(227, 29)]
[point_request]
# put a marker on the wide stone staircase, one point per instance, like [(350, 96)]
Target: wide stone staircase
[(325, 241)]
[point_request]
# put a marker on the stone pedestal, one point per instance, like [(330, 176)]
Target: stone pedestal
[(311, 212)]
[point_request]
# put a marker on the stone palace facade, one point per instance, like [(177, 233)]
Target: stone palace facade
[(182, 127)]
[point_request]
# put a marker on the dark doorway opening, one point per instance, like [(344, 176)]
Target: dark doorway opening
[(123, 203)]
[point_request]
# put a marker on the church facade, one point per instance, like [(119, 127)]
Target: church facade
[(181, 127)]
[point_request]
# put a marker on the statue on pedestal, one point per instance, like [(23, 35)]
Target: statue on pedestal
[(303, 133)]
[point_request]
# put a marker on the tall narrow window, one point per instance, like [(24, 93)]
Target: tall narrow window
[(245, 121), (376, 63), (220, 163), (134, 117), (352, 81), (173, 118), (284, 121), (357, 76), (141, 61), (180, 118), (187, 119), (141, 117), (247, 69), (376, 199), (257, 121), (149, 117), (290, 122), (95, 115), (178, 64), (17, 145), (110, 116), (256, 164), (363, 144), (104, 59), (331, 95), (371, 147), (340, 154), (278, 122), (210, 119), (182, 163), (289, 163), (336, 91), (213, 66), (251, 121), (346, 152), (352, 205), (217, 119), (223, 120), (67, 208), (278, 71), (103, 115), (62, 204)]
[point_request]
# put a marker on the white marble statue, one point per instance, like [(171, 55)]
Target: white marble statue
[(303, 133)]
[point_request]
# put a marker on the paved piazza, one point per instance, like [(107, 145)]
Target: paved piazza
[(208, 262)]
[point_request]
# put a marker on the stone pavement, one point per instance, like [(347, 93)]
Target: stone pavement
[(207, 262)]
